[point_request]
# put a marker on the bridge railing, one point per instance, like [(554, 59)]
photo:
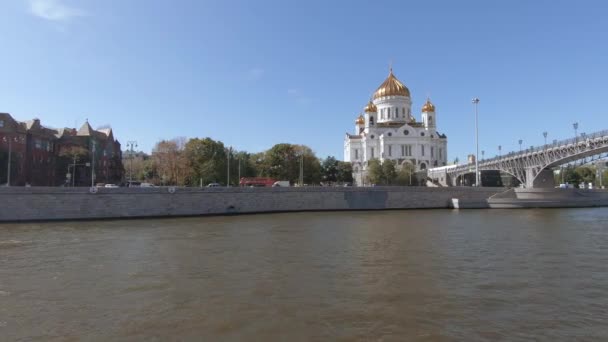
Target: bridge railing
[(564, 142)]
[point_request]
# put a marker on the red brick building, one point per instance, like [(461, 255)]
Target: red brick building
[(42, 156)]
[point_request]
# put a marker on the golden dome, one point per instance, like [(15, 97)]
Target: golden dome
[(428, 106), (370, 108), (360, 120), (391, 87)]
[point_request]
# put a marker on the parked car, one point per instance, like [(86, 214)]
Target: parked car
[(213, 185), (147, 185), (113, 186)]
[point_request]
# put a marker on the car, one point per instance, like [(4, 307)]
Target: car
[(213, 185), (113, 186), (147, 185)]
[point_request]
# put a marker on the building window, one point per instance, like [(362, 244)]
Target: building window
[(430, 120), (390, 134), (371, 120), (390, 150), (372, 153), (403, 111), (406, 132), (440, 154), (408, 150), (422, 150), (38, 143), (356, 154), (389, 113), (1, 123), (421, 134), (432, 152), (371, 136), (402, 150)]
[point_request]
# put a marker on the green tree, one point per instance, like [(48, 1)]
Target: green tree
[(374, 171), (586, 174), (344, 172), (389, 171), (282, 162), (406, 175), (571, 176), (206, 160), (329, 170)]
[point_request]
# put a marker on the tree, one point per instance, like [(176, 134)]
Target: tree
[(282, 162), (374, 171), (344, 172), (571, 176), (389, 172), (587, 174), (406, 175), (170, 161), (71, 155), (329, 170), (206, 160)]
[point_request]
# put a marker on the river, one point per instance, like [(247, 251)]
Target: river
[(428, 275)]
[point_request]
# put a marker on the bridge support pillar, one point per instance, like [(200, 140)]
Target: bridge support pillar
[(544, 179)]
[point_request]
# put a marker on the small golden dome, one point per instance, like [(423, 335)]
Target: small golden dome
[(428, 106), (360, 120), (370, 108), (391, 87)]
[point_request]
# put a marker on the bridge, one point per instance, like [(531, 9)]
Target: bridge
[(533, 166)]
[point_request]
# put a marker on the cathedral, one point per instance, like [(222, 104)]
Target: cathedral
[(388, 130)]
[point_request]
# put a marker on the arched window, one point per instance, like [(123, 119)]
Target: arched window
[(423, 166), (430, 120), (371, 120), (389, 113)]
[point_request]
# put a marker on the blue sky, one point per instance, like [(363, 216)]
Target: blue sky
[(256, 73)]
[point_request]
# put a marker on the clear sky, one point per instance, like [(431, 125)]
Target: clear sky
[(256, 73)]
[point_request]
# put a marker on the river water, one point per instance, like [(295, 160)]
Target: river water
[(428, 275)]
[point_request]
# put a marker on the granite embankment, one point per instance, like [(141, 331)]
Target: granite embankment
[(42, 203)]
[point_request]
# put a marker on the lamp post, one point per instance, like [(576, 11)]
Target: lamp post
[(130, 145), (302, 168), (520, 142), (228, 170), (93, 164), (239, 170), (10, 152), (499, 150), (475, 101), (482, 154), (575, 125), (545, 135)]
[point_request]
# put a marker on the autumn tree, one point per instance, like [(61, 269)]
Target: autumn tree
[(170, 161)]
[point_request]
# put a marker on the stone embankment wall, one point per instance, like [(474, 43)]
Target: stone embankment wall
[(41, 203)]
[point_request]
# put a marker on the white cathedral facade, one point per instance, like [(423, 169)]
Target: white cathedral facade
[(388, 130)]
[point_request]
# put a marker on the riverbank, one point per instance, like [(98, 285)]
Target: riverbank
[(48, 203)]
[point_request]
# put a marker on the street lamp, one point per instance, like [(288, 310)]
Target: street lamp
[(482, 154), (228, 171), (545, 135), (130, 145), (475, 101), (520, 142), (499, 150), (10, 152), (575, 125), (93, 164)]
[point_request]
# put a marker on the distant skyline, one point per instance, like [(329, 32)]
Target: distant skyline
[(254, 74)]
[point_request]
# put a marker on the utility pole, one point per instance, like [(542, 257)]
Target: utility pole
[(302, 168), (545, 135), (10, 151), (228, 170), (130, 145), (475, 101), (239, 170), (74, 172), (93, 164)]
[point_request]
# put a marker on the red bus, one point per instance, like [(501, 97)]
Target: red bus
[(256, 181)]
